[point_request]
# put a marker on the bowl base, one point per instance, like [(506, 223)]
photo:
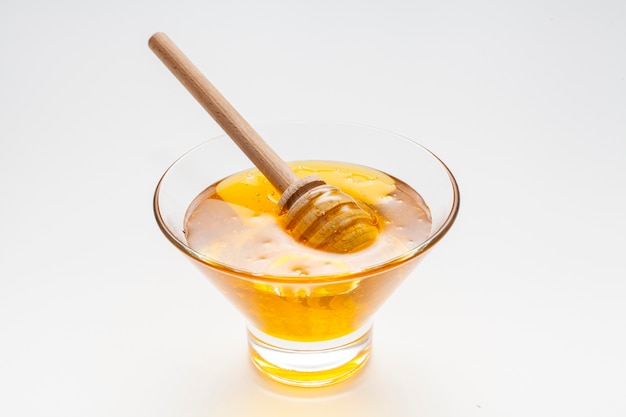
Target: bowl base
[(310, 364)]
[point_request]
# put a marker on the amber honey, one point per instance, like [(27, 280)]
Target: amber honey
[(285, 288)]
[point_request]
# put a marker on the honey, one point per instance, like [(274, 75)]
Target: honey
[(285, 288)]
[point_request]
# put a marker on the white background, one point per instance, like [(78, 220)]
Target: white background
[(520, 311)]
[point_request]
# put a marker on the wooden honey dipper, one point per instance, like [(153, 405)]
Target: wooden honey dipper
[(317, 214)]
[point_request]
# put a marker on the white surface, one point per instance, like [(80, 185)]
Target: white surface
[(520, 311)]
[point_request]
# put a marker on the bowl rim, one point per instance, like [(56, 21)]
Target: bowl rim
[(374, 269)]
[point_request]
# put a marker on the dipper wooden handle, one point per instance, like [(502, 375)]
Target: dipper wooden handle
[(253, 145)]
